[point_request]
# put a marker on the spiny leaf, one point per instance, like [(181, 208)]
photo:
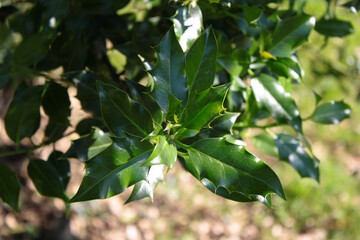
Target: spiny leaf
[(289, 34), (331, 112), (187, 24), (169, 71), (231, 167), (122, 114), (201, 63), (146, 188), (200, 110), (114, 169), (164, 153), (279, 103), (291, 151), (89, 145)]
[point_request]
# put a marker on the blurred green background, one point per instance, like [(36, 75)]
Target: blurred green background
[(184, 209)]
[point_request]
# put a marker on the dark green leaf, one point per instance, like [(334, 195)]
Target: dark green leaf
[(276, 100), (115, 169), (122, 114), (146, 188), (54, 131), (187, 24), (236, 62), (56, 103), (86, 126), (32, 49), (169, 71), (291, 151), (23, 115), (223, 124), (202, 109), (46, 179), (286, 67), (89, 146), (9, 187), (233, 168), (252, 13), (201, 63), (266, 144), (55, 8), (4, 77), (289, 34), (164, 153), (331, 112), (62, 167), (334, 27)]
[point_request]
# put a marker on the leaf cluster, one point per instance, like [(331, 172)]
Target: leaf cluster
[(174, 81)]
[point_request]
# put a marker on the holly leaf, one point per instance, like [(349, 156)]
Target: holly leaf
[(89, 145), (122, 114), (23, 115), (331, 112), (46, 179), (115, 169), (187, 24), (266, 144), (334, 27), (9, 187), (270, 94), (169, 71), (289, 34), (291, 151), (164, 153), (200, 110), (225, 165), (146, 188), (201, 63)]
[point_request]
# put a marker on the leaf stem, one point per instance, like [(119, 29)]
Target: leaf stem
[(180, 144), (20, 151), (240, 125)]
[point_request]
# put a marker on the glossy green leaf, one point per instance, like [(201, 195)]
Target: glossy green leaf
[(115, 169), (62, 167), (270, 94), (187, 24), (46, 179), (56, 103), (334, 27), (32, 49), (223, 125), (252, 13), (23, 115), (286, 67), (291, 151), (203, 108), (122, 114), (236, 63), (164, 153), (289, 34), (9, 187), (266, 144), (201, 63), (331, 112), (169, 71), (89, 146), (231, 167), (146, 188)]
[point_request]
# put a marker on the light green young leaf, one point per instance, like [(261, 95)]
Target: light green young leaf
[(164, 153)]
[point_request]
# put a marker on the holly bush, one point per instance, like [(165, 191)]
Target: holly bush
[(162, 81)]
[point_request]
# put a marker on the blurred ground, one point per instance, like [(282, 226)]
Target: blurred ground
[(184, 209)]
